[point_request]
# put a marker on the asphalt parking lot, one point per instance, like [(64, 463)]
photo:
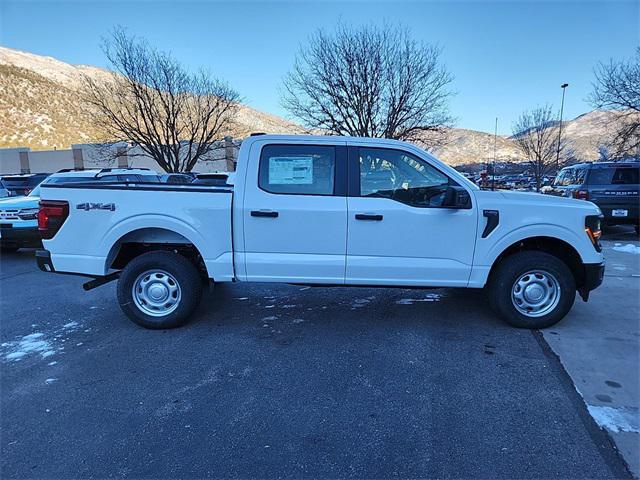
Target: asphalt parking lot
[(286, 381)]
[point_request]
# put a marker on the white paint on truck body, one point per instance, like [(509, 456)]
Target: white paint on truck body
[(315, 239)]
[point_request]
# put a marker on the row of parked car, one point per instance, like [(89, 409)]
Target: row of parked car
[(612, 186), (516, 181), (20, 195)]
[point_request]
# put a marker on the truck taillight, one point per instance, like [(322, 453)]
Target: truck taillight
[(51, 216), (581, 194)]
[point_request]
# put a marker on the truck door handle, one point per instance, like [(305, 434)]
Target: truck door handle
[(366, 216), (264, 213)]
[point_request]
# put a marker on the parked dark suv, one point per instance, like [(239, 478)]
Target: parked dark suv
[(612, 186)]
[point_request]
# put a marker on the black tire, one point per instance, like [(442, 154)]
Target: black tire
[(513, 268), (180, 271)]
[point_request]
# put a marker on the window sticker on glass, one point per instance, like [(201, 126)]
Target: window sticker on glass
[(291, 170)]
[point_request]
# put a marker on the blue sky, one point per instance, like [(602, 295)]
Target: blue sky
[(505, 56)]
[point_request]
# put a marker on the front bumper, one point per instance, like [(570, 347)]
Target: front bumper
[(593, 276), (20, 237)]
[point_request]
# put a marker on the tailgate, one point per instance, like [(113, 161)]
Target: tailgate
[(615, 189)]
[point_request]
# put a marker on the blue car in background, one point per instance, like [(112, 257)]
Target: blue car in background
[(19, 221), (19, 215)]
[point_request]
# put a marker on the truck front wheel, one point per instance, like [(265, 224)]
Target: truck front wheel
[(159, 290), (531, 289)]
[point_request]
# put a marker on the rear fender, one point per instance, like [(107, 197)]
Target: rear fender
[(182, 230)]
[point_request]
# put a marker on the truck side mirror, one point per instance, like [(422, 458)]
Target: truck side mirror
[(456, 197)]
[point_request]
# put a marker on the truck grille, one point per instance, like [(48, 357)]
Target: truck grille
[(9, 214)]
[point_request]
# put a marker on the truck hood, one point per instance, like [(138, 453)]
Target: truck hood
[(542, 199), (529, 201), (19, 202)]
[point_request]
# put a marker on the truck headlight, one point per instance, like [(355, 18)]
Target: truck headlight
[(593, 227), (28, 214)]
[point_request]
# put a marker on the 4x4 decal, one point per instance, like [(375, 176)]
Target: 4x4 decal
[(96, 206)]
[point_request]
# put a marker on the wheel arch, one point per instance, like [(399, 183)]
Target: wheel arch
[(137, 241), (555, 246)]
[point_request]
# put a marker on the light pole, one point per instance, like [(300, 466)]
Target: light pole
[(563, 86), (493, 168)]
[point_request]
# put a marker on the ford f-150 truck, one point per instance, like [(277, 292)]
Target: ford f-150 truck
[(333, 211)]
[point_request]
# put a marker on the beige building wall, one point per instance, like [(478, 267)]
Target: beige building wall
[(10, 160), (50, 161), (17, 160)]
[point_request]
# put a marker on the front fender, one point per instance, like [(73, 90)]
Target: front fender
[(581, 243)]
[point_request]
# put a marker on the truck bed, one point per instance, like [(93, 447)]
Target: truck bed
[(112, 214)]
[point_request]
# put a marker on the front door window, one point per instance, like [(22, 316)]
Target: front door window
[(400, 176)]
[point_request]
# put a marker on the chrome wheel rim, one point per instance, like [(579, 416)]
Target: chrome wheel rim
[(535, 293), (156, 293)]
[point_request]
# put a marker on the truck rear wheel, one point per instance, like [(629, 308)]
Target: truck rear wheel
[(532, 289), (159, 290)]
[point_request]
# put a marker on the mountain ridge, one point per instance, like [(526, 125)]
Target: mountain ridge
[(39, 109)]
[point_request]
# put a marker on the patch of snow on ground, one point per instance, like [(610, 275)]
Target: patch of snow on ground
[(628, 248), (36, 343), (429, 297), (615, 419), (359, 302), (29, 344)]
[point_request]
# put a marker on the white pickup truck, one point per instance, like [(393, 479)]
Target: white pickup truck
[(319, 210)]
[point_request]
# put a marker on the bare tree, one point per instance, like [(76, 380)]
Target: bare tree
[(370, 82), (536, 135), (152, 102), (617, 87)]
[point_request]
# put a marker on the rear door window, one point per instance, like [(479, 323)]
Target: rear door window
[(297, 169)]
